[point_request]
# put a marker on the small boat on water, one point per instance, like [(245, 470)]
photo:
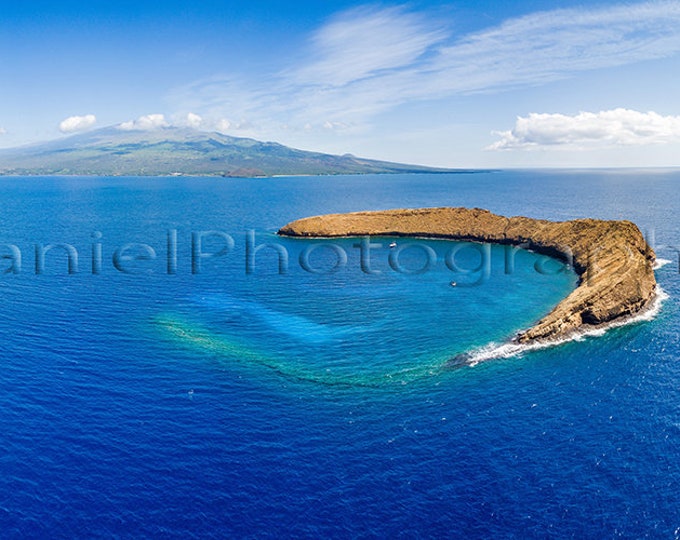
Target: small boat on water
[(453, 284), (393, 245)]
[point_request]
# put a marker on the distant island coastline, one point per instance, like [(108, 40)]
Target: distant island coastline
[(174, 151), (611, 258)]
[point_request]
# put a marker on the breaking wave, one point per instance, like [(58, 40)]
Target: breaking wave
[(506, 350)]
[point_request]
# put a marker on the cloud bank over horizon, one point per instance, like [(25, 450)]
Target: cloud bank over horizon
[(157, 121), (617, 127), (147, 122)]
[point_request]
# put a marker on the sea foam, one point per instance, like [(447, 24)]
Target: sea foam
[(494, 350), (660, 263)]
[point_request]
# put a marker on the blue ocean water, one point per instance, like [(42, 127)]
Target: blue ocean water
[(158, 392)]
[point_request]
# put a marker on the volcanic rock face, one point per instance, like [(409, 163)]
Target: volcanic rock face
[(611, 258)]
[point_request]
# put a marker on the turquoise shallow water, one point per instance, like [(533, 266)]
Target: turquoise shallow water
[(241, 401), (384, 325)]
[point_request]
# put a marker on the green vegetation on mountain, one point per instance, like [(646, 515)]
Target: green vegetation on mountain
[(181, 151)]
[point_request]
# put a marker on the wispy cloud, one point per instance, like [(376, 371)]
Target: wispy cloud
[(148, 122), (365, 42), (369, 60), (587, 129), (3, 131), (73, 124), (546, 46)]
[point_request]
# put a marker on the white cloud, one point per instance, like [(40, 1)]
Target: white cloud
[(587, 129), (147, 122), (223, 125), (77, 123), (3, 131), (370, 60), (192, 120), (151, 122)]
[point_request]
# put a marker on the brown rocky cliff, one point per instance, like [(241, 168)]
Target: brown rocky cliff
[(612, 259)]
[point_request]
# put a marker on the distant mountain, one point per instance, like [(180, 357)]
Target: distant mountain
[(181, 151)]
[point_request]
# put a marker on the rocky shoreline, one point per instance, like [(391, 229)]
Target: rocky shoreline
[(611, 258)]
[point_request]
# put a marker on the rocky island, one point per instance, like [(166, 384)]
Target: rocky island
[(611, 258)]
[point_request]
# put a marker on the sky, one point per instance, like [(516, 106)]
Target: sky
[(473, 84)]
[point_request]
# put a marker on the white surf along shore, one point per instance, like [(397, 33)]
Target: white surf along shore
[(495, 351)]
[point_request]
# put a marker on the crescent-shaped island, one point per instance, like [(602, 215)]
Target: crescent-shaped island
[(614, 263)]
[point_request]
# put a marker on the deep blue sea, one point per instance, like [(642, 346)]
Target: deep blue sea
[(172, 368)]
